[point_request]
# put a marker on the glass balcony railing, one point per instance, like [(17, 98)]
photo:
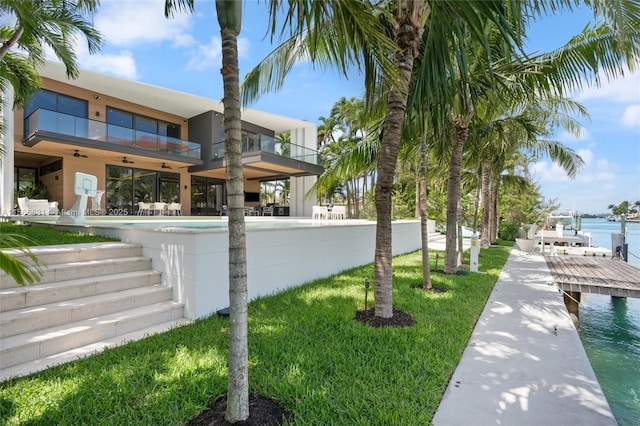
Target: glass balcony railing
[(268, 144), (69, 125)]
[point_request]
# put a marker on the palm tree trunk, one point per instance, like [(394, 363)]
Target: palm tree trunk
[(485, 239), (408, 33), (453, 192), (424, 229), (494, 220), (476, 203), (7, 45), (460, 251), (229, 17)]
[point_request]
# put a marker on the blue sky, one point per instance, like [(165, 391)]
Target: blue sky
[(184, 54)]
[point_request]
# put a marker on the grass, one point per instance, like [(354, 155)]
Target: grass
[(305, 350), (44, 235)]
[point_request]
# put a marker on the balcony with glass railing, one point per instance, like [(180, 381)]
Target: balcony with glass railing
[(262, 143), (64, 124)]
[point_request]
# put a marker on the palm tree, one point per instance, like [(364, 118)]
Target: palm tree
[(53, 23), (229, 15), (37, 24), (343, 32)]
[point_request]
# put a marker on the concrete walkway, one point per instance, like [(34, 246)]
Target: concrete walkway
[(524, 363)]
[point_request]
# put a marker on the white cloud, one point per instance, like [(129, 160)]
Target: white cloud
[(206, 56), (131, 23), (595, 170), (584, 136), (631, 116), (622, 90), (122, 65)]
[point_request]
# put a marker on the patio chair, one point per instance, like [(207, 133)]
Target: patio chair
[(144, 209), (159, 207), (338, 212), (174, 209), (250, 211), (267, 211), (24, 208), (223, 210), (319, 212), (53, 208)]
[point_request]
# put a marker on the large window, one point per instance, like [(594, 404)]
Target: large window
[(25, 180), (126, 187), (70, 107), (207, 196), (130, 129)]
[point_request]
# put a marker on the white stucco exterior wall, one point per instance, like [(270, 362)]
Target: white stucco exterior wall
[(6, 161), (195, 261)]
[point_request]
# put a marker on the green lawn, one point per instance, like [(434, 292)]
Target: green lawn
[(306, 351), (44, 235)]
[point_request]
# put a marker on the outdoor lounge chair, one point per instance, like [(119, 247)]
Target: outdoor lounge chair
[(30, 207)]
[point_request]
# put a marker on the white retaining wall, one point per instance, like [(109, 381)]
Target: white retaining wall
[(195, 261)]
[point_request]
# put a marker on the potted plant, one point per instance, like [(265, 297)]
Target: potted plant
[(526, 240)]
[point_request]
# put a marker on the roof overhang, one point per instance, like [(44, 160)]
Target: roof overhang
[(171, 101), (262, 166)]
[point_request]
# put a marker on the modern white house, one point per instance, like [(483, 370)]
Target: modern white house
[(146, 144)]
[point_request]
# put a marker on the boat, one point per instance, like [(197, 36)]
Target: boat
[(562, 217), (563, 233)]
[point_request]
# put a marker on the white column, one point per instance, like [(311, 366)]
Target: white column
[(6, 162)]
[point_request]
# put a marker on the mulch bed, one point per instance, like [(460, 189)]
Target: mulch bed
[(263, 411), (399, 319)]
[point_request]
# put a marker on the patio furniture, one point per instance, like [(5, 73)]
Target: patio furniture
[(29, 207), (174, 209), (53, 208), (159, 207), (223, 210), (144, 209), (250, 211), (319, 212), (267, 211), (338, 212)]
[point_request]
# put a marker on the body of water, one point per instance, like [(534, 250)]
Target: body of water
[(610, 331)]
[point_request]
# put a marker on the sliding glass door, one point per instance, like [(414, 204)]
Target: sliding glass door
[(126, 187)]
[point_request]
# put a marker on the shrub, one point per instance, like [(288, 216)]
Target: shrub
[(508, 231)]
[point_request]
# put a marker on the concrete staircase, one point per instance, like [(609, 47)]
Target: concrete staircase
[(91, 296)]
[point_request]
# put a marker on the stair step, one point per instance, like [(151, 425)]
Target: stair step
[(40, 294), (46, 343), (53, 314), (84, 269), (87, 350), (52, 255)]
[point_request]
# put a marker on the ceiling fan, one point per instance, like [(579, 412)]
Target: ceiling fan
[(126, 161), (77, 154)]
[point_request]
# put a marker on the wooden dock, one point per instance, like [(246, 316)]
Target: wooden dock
[(595, 275), (577, 275)]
